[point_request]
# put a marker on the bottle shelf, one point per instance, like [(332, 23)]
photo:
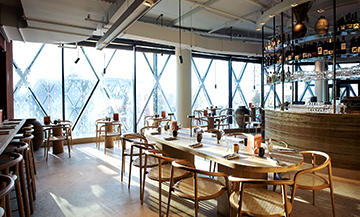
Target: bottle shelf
[(312, 59), (311, 38), (350, 73)]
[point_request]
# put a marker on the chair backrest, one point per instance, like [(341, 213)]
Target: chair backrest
[(325, 162), (277, 142), (146, 120), (7, 184), (134, 137), (237, 134), (226, 111), (115, 126), (142, 130)]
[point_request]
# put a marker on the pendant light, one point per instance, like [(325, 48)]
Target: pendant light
[(180, 56)]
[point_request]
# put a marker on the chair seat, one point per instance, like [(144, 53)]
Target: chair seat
[(259, 201), (165, 173), (111, 134), (207, 188), (136, 152), (307, 180), (57, 138), (151, 161)]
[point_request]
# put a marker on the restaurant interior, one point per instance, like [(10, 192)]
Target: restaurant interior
[(179, 108)]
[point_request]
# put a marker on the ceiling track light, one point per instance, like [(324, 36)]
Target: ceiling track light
[(88, 18)]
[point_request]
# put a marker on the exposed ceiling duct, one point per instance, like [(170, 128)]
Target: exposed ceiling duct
[(129, 15)]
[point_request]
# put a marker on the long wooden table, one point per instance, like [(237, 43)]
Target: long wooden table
[(247, 165), (8, 130)]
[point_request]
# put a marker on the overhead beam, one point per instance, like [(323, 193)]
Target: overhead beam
[(225, 13), (191, 12), (126, 19)]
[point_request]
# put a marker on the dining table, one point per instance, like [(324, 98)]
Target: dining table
[(57, 130), (109, 141), (8, 130), (246, 164)]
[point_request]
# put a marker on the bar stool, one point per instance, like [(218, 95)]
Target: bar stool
[(9, 165), (28, 138), (23, 149), (7, 184)]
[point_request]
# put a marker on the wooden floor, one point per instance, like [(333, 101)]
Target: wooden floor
[(88, 184)]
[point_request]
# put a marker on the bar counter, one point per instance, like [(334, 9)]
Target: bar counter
[(336, 134)]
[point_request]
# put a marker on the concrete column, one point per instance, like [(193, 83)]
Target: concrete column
[(183, 86), (321, 86)]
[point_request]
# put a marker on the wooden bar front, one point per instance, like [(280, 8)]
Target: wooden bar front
[(336, 134)]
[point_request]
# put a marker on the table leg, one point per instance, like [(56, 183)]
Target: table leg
[(109, 140), (58, 146), (222, 202)]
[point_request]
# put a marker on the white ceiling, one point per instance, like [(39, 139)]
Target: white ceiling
[(63, 21)]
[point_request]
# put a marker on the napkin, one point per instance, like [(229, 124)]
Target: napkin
[(170, 138), (155, 133), (231, 156), (196, 145)]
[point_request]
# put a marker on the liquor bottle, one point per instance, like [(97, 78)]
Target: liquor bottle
[(330, 47), (297, 52), (309, 50), (358, 44), (325, 48), (320, 49), (343, 45), (348, 22), (356, 22), (304, 51), (273, 42), (289, 56), (314, 50), (353, 45), (338, 46), (342, 23), (288, 39)]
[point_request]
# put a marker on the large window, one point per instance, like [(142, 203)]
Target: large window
[(101, 83)]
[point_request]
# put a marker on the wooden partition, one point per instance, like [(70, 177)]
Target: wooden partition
[(336, 134)]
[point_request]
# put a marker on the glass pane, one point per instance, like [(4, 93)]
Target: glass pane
[(79, 81), (217, 84), (201, 65), (167, 82), (251, 84), (45, 80), (145, 83), (24, 53)]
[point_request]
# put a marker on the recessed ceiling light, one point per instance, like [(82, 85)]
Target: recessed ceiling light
[(294, 4), (320, 10), (258, 28), (272, 15), (262, 22)]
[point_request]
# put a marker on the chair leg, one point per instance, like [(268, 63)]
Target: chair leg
[(23, 188), (28, 180), (69, 147), (331, 189), (274, 186), (131, 159), (122, 164)]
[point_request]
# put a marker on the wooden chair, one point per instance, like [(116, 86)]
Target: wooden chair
[(98, 131), (225, 115), (276, 142), (12, 164), (68, 124), (50, 137), (259, 201), (110, 130), (196, 188), (146, 120), (161, 172), (138, 149), (306, 178), (7, 184)]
